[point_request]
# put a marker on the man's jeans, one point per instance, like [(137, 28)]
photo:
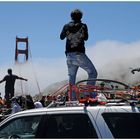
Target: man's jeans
[(76, 60)]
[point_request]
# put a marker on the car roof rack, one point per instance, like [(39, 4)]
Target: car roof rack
[(119, 102), (64, 104), (113, 102)]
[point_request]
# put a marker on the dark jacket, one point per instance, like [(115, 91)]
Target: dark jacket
[(73, 27)]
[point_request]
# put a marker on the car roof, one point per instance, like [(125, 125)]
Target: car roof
[(104, 108)]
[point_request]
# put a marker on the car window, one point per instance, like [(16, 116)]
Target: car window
[(23, 127), (67, 126), (123, 125)]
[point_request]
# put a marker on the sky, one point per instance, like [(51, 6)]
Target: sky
[(113, 45)]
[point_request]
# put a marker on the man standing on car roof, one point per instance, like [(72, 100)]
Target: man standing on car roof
[(76, 33)]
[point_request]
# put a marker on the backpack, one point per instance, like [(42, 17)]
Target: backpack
[(75, 38)]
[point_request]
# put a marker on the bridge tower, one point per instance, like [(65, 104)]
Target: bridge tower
[(19, 51)]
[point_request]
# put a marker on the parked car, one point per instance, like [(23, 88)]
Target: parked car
[(75, 120), (108, 121)]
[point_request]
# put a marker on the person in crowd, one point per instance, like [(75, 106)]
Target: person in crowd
[(43, 101), (38, 104), (15, 105), (1, 102), (29, 102), (48, 100)]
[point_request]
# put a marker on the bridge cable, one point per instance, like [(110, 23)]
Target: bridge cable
[(34, 72)]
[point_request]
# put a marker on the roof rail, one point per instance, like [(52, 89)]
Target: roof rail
[(64, 104), (118, 102)]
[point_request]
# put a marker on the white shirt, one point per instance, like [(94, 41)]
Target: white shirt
[(16, 107), (38, 104)]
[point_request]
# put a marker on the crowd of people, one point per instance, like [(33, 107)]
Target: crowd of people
[(24, 102), (10, 103)]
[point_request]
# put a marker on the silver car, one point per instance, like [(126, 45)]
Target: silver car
[(115, 121)]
